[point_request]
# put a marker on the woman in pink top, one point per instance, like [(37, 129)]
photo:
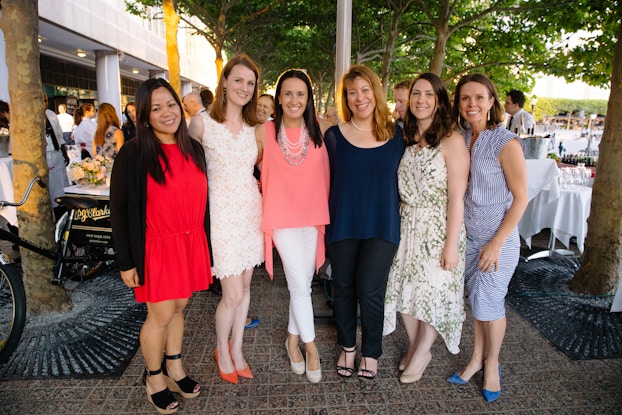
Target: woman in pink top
[(295, 186)]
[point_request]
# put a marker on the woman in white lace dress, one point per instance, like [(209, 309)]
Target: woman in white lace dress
[(228, 137)]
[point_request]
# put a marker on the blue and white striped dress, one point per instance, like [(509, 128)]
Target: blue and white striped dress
[(486, 203)]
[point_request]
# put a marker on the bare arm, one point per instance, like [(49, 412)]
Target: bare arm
[(457, 161), (260, 137), (324, 125), (513, 163), (119, 139), (195, 128)]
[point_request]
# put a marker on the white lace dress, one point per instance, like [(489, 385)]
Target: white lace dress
[(234, 198)]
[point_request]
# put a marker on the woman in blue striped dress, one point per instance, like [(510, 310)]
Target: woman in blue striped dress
[(495, 200)]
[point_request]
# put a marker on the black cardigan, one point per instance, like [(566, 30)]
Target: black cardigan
[(128, 206)]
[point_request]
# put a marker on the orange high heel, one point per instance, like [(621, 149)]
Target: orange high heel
[(229, 377), (246, 372)]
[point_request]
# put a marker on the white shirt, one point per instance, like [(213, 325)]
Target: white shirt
[(528, 121), (66, 122)]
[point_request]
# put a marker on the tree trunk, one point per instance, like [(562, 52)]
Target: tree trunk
[(20, 25), (385, 71), (171, 22), (603, 245)]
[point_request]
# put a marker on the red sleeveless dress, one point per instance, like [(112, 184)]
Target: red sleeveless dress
[(177, 259)]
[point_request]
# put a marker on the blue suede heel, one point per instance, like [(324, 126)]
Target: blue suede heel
[(456, 379), (492, 396)]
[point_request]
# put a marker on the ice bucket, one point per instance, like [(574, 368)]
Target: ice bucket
[(537, 148)]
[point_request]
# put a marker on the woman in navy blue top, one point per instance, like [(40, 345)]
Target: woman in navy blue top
[(364, 231)]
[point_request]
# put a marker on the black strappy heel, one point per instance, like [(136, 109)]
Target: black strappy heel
[(185, 387), (349, 370), (161, 400), (366, 373)]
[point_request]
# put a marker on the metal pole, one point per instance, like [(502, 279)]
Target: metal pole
[(344, 36)]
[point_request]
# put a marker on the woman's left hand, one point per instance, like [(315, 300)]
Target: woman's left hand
[(449, 258), (488, 259)]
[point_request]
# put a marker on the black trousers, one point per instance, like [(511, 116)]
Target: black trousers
[(360, 272)]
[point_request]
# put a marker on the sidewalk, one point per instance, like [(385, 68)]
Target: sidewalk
[(537, 378)]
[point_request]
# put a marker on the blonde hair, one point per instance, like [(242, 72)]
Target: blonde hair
[(383, 126)]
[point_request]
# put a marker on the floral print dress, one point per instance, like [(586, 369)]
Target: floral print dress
[(417, 284)]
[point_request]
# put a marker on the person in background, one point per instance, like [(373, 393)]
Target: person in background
[(58, 179), (5, 119), (160, 226), (364, 152), (193, 104), (66, 123), (265, 108), (129, 127), (85, 128), (520, 121), (228, 137), (109, 137), (426, 281), (495, 200), (330, 115), (207, 98), (295, 187), (400, 96)]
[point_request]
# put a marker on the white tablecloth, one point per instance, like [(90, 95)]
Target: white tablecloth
[(543, 193), (6, 189), (88, 190), (572, 213)]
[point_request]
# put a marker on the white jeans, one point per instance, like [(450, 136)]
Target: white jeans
[(297, 247)]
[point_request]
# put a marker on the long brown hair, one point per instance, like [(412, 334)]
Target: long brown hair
[(106, 116), (441, 119), (149, 146), (383, 126), (219, 106)]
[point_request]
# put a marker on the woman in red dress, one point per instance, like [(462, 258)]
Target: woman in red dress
[(160, 226)]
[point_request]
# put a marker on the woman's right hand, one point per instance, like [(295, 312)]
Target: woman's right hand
[(130, 278)]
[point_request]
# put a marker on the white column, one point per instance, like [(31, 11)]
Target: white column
[(4, 71), (344, 36), (186, 88), (108, 79), (159, 73)]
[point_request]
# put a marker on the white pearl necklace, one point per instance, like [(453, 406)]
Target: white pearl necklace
[(359, 128), (294, 152)]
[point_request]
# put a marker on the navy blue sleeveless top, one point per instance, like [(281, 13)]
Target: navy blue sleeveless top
[(364, 199)]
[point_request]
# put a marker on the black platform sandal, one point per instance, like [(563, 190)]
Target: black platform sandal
[(161, 400), (349, 370), (185, 387)]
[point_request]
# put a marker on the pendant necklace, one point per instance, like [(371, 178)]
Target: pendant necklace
[(359, 128)]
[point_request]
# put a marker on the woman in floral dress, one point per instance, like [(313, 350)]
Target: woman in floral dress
[(427, 276)]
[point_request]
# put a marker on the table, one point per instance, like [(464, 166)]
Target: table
[(6, 189), (571, 216), (563, 210), (543, 194)]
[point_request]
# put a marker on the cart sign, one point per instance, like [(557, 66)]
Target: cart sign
[(92, 226)]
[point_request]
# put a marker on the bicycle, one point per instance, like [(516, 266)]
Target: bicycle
[(80, 253)]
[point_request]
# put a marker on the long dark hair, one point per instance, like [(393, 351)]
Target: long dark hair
[(128, 121), (309, 117), (496, 111), (149, 146), (219, 106), (441, 119)]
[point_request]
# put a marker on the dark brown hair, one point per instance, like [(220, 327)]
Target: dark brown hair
[(149, 146)]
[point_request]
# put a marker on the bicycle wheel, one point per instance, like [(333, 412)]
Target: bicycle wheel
[(12, 309)]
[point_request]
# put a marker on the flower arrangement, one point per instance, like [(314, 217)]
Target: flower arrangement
[(94, 171)]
